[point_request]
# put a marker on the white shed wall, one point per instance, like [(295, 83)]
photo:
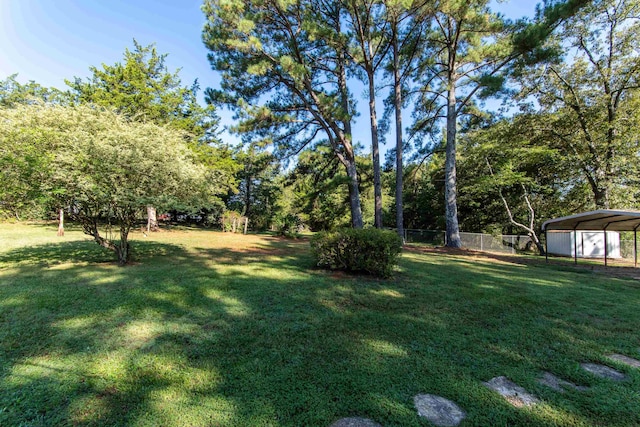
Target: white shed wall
[(590, 243)]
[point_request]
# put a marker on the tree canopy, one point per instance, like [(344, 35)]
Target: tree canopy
[(102, 166)]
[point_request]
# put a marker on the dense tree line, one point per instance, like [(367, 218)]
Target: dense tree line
[(566, 140), (287, 66)]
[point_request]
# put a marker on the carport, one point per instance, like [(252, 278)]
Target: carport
[(604, 220)]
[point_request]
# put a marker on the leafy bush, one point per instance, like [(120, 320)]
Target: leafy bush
[(288, 225), (359, 250)]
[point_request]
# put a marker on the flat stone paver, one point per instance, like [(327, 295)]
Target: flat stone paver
[(603, 371), (629, 361), (438, 410), (512, 392), (355, 422), (558, 383)]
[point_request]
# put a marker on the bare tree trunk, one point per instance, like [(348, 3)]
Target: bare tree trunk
[(375, 152), (90, 228), (354, 195), (531, 232), (61, 222), (152, 219), (247, 196), (450, 184), (123, 249), (601, 197), (348, 159), (397, 98)]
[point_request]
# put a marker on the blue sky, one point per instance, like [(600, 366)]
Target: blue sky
[(49, 41)]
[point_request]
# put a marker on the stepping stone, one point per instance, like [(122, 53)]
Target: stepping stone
[(355, 422), (557, 383), (603, 371), (629, 361), (512, 392), (438, 410)]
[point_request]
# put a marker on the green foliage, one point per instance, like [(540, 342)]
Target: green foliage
[(316, 190), (422, 195), (13, 93), (259, 186), (587, 103), (510, 159), (284, 72), (288, 224), (319, 193), (101, 166), (368, 250), (142, 88)]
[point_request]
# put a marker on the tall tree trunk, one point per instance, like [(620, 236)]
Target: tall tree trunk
[(354, 195), (450, 180), (61, 222), (247, 196), (397, 99), (375, 152), (152, 219), (348, 159)]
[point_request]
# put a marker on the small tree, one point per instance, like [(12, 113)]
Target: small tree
[(142, 88), (105, 167)]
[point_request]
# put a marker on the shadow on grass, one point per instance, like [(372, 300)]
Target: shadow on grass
[(621, 268), (237, 337)]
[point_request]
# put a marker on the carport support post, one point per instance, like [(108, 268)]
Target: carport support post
[(575, 245), (635, 246), (606, 244)]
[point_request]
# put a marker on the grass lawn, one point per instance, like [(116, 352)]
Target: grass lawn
[(213, 329)]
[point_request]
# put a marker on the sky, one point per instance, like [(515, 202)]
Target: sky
[(48, 41)]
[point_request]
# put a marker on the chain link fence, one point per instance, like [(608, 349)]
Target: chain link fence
[(627, 249), (490, 243), (475, 241)]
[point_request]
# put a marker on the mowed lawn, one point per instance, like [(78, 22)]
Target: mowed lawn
[(214, 329)]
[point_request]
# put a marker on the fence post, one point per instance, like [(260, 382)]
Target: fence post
[(513, 249), (481, 242)]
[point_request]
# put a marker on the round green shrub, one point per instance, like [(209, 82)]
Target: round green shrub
[(368, 250)]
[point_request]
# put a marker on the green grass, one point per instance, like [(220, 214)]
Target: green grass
[(211, 329)]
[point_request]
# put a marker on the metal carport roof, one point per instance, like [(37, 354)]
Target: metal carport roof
[(602, 219)]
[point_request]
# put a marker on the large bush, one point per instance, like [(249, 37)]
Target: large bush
[(359, 250)]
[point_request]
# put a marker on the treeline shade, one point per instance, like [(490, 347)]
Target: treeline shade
[(99, 166)]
